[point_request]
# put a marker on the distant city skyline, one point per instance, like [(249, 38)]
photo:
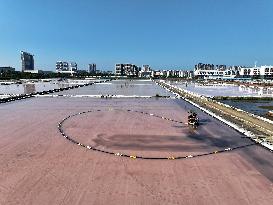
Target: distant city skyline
[(164, 34)]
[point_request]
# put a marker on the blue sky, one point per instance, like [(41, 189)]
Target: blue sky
[(162, 33)]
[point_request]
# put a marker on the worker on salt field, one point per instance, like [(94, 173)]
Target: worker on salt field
[(193, 119)]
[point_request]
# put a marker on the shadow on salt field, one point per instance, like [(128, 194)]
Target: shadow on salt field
[(146, 143), (210, 136), (260, 158), (167, 143), (204, 121), (214, 142)]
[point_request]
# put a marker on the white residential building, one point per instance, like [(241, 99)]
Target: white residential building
[(262, 72), (65, 67)]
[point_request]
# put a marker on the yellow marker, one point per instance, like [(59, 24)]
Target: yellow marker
[(133, 157), (171, 158)]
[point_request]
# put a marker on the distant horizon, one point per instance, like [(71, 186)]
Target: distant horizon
[(162, 34), (113, 67), (139, 65)]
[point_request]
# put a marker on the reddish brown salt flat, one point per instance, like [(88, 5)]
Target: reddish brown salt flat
[(39, 166)]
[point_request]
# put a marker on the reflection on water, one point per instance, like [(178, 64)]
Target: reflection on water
[(26, 88), (225, 89), (121, 87), (258, 107), (29, 88), (116, 87), (257, 90)]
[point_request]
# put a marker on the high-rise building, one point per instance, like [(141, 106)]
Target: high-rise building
[(145, 72), (73, 66), (92, 68), (65, 67), (27, 61), (119, 69), (127, 70), (62, 66)]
